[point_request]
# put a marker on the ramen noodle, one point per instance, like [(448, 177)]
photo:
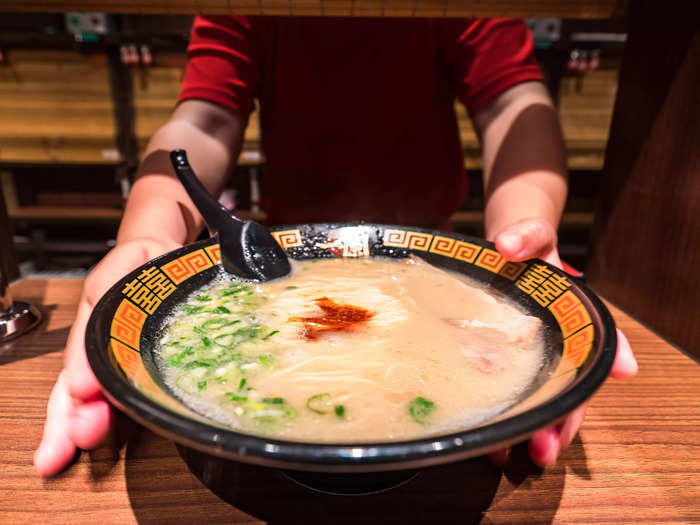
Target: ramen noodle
[(350, 350)]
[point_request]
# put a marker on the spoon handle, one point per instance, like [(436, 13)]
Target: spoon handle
[(214, 214)]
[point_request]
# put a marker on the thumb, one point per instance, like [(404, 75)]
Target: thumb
[(526, 239)]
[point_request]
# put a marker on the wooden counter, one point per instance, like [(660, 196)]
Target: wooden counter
[(636, 459)]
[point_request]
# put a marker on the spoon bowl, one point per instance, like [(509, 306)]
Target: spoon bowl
[(247, 248)]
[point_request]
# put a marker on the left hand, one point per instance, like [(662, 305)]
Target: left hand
[(527, 239)]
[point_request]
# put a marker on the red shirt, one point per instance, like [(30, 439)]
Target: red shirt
[(357, 115)]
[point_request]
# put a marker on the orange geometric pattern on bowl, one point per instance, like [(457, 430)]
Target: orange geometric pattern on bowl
[(569, 313), (491, 260), (187, 265), (407, 239), (127, 324), (512, 270), (578, 346), (464, 251), (214, 252), (288, 238), (129, 361)]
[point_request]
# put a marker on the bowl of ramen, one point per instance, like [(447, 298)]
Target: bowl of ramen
[(387, 348)]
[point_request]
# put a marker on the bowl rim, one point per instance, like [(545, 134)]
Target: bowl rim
[(344, 457)]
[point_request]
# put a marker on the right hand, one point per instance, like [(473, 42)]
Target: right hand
[(78, 416)]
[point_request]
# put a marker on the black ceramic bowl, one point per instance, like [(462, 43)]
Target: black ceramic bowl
[(126, 323)]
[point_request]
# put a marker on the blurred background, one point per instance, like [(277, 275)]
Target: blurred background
[(81, 93)]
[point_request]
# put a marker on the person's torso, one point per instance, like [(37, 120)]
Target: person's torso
[(358, 122)]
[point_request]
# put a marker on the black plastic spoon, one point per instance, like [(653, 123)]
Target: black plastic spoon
[(247, 248)]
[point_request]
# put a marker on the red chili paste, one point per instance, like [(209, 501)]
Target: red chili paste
[(336, 317)]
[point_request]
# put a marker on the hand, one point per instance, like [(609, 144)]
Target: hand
[(78, 416), (526, 239)]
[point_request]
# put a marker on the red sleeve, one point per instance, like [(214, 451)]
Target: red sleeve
[(490, 56), (221, 63)]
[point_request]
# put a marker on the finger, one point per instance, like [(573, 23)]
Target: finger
[(544, 446), (56, 449), (526, 239), (571, 425), (82, 383), (90, 422), (500, 457), (118, 262), (625, 365)]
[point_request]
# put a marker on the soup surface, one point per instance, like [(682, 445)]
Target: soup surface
[(350, 350)]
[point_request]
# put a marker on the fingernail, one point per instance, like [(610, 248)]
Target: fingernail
[(544, 450), (511, 242), (635, 366), (39, 457), (550, 457)]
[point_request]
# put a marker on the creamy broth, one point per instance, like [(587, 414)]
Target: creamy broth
[(350, 350)]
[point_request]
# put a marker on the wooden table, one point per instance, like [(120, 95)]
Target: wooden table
[(636, 459)]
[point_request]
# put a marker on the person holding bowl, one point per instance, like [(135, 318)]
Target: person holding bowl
[(357, 119)]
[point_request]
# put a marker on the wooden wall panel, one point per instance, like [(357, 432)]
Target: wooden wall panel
[(646, 241), (585, 111), (55, 106), (156, 89)]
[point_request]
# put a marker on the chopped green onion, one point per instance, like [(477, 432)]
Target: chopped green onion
[(234, 397), (177, 360), (273, 400), (291, 287), (270, 335), (420, 409), (252, 301), (233, 289), (318, 403), (225, 340), (339, 411), (189, 309), (196, 364), (266, 360), (186, 383), (222, 310), (226, 359), (197, 330), (217, 323), (201, 385), (206, 341), (273, 417), (203, 298), (242, 384)]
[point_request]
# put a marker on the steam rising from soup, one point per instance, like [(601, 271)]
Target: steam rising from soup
[(350, 350)]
